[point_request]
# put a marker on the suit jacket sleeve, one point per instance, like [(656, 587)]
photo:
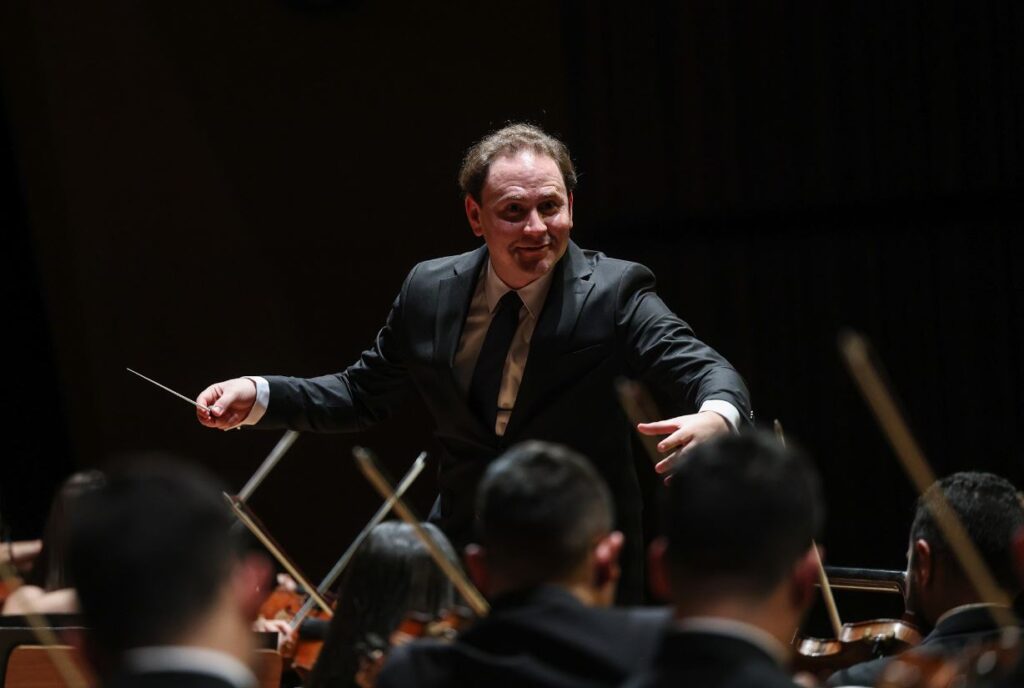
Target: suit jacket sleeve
[(664, 352), (363, 394)]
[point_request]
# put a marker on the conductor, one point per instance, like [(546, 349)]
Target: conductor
[(522, 338)]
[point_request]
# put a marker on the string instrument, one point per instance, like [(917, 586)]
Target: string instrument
[(858, 641), (285, 604), (979, 662)]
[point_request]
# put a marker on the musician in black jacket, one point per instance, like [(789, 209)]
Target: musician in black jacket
[(939, 593), (736, 561), (167, 591), (547, 561)]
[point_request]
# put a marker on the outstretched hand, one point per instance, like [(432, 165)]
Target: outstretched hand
[(229, 402), (684, 433)]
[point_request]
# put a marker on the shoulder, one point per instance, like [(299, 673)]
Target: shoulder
[(446, 266), (419, 663)]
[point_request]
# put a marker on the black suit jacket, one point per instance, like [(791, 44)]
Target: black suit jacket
[(541, 637), (953, 634), (166, 679), (602, 320), (710, 660)]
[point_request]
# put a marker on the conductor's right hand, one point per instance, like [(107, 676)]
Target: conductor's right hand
[(229, 402)]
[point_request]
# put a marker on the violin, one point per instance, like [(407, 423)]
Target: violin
[(979, 664), (284, 603), (859, 641)]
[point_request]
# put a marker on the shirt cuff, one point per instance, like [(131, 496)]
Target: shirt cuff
[(723, 408), (263, 400)]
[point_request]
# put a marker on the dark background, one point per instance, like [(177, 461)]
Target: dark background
[(201, 190)]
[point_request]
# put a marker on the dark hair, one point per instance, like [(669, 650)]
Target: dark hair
[(990, 511), (510, 140), (390, 575), (541, 506), (50, 571), (739, 511), (149, 552)]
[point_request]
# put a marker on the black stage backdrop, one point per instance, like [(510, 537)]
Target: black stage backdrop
[(201, 190)]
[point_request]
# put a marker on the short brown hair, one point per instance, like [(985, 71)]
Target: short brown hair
[(509, 140)]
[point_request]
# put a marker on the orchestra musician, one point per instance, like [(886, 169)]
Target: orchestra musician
[(391, 576), (519, 339), (167, 591), (737, 561), (546, 558), (48, 587), (939, 593)]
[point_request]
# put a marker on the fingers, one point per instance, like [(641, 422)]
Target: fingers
[(658, 427), (229, 403)]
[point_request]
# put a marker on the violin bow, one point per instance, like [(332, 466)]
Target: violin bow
[(368, 465), (385, 508), (826, 587), (69, 673), (881, 401)]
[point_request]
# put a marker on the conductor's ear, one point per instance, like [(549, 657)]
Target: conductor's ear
[(473, 215)]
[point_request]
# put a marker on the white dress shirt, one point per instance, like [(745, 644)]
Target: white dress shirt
[(189, 660), (489, 291), (736, 629)]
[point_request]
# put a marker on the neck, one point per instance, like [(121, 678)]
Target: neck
[(771, 614), (224, 630)]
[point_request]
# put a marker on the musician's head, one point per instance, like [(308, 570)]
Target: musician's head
[(545, 517), (740, 515), (390, 577), (990, 511), (50, 571), (155, 562)]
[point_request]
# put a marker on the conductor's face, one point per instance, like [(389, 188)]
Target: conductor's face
[(524, 214)]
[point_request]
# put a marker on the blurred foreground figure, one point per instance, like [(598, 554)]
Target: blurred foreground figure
[(391, 576), (168, 595), (737, 562), (48, 588), (938, 591), (547, 559)]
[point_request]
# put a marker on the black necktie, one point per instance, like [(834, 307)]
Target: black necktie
[(486, 382)]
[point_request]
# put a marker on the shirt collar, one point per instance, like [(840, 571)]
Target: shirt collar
[(180, 658), (533, 294), (736, 629), (964, 608)]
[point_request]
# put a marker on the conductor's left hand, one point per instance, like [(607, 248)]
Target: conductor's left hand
[(684, 433)]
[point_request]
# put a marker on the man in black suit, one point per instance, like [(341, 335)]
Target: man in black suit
[(546, 558), (520, 339), (737, 562), (166, 590), (939, 593)]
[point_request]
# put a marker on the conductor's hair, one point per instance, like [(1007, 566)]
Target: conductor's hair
[(149, 552), (541, 508), (509, 141), (740, 511), (990, 511)]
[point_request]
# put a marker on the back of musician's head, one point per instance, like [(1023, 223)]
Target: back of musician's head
[(989, 509), (150, 552), (541, 507), (391, 576), (739, 511), (50, 571)]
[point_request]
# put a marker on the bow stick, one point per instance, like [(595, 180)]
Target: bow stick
[(823, 582), (854, 349), (368, 465), (385, 508)]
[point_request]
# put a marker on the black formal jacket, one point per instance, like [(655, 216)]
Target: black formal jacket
[(602, 320), (954, 633), (166, 679), (710, 660), (540, 637)]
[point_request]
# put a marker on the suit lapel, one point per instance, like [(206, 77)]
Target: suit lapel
[(453, 296), (569, 291)]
